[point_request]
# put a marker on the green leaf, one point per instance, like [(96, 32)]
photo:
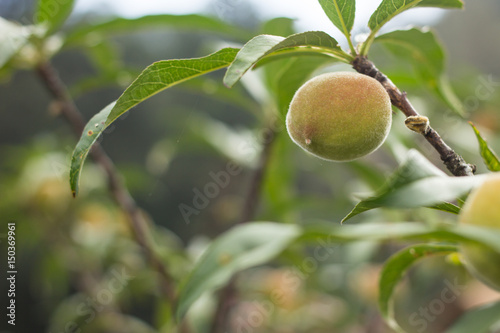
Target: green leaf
[(154, 79), (447, 207), (429, 191), (255, 243), (240, 248), (12, 39), (489, 157), (341, 13), (423, 193), (414, 167), (479, 320), (388, 9), (417, 183), (91, 132), (164, 74), (426, 54), (394, 270), (250, 54), (403, 231), (265, 45), (191, 22), (442, 3), (53, 13)]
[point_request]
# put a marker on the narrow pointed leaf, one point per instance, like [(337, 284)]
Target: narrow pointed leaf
[(490, 158), (414, 167), (250, 53), (402, 231), (53, 13), (447, 207), (426, 55), (427, 192), (266, 45), (91, 132), (479, 320), (192, 22), (341, 13), (388, 9), (458, 4), (164, 74), (394, 271), (240, 248), (418, 183), (154, 79)]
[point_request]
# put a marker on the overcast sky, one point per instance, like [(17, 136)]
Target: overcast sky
[(307, 12)]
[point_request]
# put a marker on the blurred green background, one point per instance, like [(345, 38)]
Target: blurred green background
[(167, 146)]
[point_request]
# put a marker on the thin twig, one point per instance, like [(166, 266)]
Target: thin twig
[(228, 296), (138, 224), (454, 162)]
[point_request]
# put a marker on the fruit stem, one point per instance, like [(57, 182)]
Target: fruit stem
[(454, 162)]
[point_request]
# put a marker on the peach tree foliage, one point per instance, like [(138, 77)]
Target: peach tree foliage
[(287, 62)]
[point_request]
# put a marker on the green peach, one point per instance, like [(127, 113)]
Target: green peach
[(482, 208), (340, 116)]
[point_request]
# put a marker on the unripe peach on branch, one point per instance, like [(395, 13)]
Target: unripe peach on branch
[(340, 116)]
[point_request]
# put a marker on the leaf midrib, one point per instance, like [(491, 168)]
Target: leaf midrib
[(110, 120), (396, 13), (341, 18)]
